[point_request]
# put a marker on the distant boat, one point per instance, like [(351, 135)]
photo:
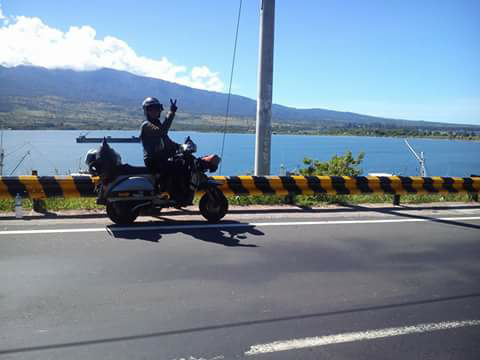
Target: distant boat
[(84, 139)]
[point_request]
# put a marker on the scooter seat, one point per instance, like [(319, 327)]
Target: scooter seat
[(126, 169)]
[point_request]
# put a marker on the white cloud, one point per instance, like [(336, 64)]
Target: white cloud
[(28, 41)]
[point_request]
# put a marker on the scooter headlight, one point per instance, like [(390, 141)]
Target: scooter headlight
[(189, 147)]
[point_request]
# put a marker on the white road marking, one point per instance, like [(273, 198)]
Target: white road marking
[(219, 357), (355, 336), (228, 225), (49, 231)]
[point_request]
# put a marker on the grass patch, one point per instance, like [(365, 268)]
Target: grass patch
[(56, 204), (256, 200), (53, 204), (322, 199), (59, 204), (312, 200)]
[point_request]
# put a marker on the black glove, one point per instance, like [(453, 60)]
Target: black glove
[(173, 105)]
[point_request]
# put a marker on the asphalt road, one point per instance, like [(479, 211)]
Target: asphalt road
[(337, 283)]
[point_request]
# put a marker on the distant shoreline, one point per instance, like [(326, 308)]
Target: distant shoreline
[(300, 133)]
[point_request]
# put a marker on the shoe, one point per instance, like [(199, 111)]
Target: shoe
[(164, 196), (185, 201)]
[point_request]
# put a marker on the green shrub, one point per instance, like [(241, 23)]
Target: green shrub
[(343, 165)]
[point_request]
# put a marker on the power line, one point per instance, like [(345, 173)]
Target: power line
[(230, 86), (23, 158)]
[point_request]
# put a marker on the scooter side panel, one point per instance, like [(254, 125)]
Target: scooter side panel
[(133, 183)]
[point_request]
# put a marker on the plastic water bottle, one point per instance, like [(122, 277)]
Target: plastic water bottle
[(18, 207)]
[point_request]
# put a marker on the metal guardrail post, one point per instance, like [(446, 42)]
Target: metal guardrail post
[(396, 200), (474, 196), (289, 199), (38, 205)]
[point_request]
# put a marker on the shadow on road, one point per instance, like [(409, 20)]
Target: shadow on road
[(346, 208), (237, 325), (398, 212), (222, 234)]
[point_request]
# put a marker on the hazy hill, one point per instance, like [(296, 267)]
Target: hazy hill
[(126, 90)]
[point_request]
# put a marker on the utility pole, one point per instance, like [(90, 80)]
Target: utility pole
[(265, 85), (2, 154)]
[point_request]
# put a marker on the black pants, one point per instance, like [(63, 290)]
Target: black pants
[(171, 172)]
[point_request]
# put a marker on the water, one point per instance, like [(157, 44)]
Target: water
[(55, 152)]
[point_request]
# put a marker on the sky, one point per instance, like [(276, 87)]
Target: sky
[(404, 59)]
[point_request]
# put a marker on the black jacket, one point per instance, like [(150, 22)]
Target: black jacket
[(155, 140)]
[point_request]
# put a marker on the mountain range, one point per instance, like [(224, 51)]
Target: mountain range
[(120, 88)]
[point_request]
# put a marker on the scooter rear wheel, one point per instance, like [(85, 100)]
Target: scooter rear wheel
[(121, 213), (213, 206)]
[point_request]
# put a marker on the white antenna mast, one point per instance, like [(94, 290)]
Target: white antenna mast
[(421, 159)]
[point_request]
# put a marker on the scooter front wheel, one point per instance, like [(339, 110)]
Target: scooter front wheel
[(213, 205), (121, 212)]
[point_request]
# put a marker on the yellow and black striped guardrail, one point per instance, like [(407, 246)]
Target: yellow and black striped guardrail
[(345, 185), (41, 187)]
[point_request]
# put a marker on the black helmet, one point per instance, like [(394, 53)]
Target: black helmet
[(91, 156), (151, 101)]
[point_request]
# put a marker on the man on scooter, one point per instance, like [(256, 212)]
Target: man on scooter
[(157, 145)]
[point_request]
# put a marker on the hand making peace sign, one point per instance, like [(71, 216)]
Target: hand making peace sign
[(173, 105)]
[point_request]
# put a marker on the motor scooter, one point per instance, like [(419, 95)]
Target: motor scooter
[(128, 191)]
